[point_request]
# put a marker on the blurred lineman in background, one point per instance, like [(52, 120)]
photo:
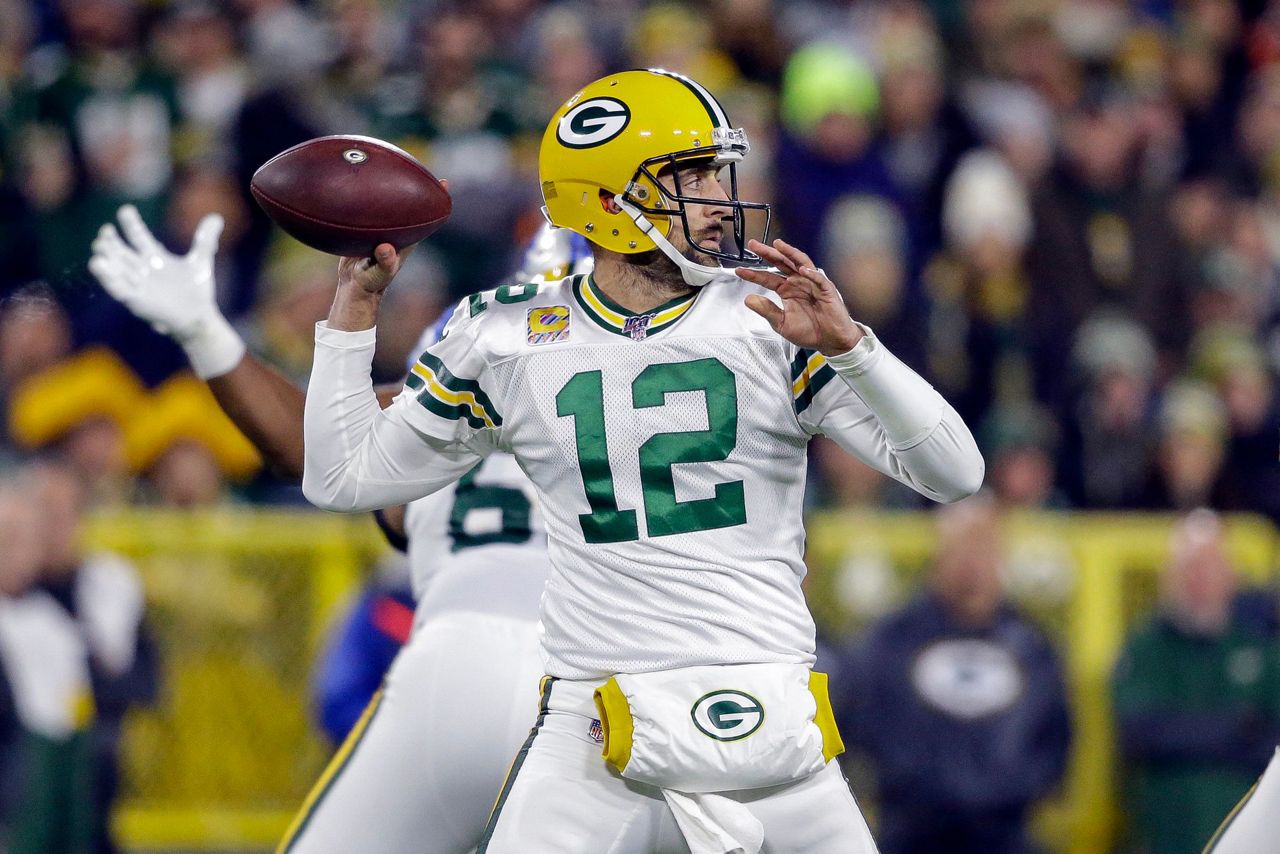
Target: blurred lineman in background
[(1197, 698), (362, 646), (960, 703), (421, 766)]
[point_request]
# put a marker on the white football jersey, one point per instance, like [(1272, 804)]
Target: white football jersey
[(479, 543), (668, 450)]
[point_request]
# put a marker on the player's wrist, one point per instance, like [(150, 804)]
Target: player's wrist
[(859, 358), (213, 346), (844, 342), (354, 308)]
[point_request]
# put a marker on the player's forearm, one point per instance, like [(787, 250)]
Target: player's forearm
[(928, 444), (267, 408), (356, 456)]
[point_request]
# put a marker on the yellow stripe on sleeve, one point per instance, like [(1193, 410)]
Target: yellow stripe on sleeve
[(453, 398), (816, 361)]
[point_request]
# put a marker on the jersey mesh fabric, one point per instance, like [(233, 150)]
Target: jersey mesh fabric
[(658, 601)]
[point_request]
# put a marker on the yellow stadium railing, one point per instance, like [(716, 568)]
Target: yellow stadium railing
[(240, 601)]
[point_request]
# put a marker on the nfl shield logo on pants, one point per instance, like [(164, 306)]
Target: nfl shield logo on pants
[(597, 732)]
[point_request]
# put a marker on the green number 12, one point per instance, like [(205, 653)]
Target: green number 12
[(582, 398)]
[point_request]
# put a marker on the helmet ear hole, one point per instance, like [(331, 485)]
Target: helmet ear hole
[(608, 203)]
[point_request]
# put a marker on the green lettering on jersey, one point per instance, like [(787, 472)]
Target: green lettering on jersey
[(665, 515), (512, 294), (513, 504), (583, 398)]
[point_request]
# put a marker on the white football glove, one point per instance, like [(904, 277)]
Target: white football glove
[(175, 294)]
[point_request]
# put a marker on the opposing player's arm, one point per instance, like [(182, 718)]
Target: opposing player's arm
[(877, 408), (175, 294), (359, 456), (268, 409)]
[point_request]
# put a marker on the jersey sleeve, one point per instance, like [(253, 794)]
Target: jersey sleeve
[(361, 457), (886, 415), (447, 385)]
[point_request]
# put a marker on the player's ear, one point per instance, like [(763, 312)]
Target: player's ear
[(607, 202)]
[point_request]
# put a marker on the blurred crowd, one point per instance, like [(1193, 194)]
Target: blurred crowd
[(1065, 214)]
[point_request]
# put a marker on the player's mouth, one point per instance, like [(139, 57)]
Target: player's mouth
[(713, 236)]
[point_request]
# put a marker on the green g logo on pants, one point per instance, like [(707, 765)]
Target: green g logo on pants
[(727, 715)]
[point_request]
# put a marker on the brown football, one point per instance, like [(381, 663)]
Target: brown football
[(346, 194)]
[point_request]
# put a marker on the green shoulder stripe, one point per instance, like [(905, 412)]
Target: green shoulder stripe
[(451, 396), (808, 377)]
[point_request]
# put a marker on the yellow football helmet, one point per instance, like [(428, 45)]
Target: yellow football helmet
[(615, 135)]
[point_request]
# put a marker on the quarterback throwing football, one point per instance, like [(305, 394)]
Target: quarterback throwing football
[(662, 407)]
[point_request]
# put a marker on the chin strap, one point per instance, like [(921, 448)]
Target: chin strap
[(695, 275)]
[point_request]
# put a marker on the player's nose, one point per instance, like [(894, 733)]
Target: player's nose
[(718, 201)]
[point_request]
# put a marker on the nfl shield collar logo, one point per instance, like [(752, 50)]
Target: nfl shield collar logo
[(597, 732), (637, 326), (548, 324)]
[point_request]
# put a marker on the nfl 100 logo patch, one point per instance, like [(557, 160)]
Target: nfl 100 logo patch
[(637, 326), (548, 324)]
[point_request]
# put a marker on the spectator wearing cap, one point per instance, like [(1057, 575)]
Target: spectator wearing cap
[(34, 336), (186, 448), (1193, 431), (1020, 441), (78, 409), (978, 287), (1109, 438), (959, 702), (864, 248), (826, 149), (923, 134), (1196, 696), (1232, 361)]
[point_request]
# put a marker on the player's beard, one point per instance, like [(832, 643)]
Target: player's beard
[(663, 273)]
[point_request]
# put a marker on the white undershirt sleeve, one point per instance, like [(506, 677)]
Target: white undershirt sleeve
[(903, 426), (357, 455)]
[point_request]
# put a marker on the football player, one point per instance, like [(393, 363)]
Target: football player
[(662, 407), (420, 770)]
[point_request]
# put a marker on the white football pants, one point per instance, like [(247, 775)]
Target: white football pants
[(1254, 825), (420, 771), (562, 798)]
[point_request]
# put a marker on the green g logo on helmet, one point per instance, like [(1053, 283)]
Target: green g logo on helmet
[(727, 715), (593, 123)]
